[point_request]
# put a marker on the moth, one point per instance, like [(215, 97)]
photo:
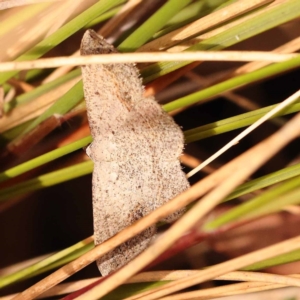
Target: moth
[(135, 150)]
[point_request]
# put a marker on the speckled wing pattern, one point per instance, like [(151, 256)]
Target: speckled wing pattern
[(135, 150)]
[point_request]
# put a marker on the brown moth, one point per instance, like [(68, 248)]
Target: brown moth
[(135, 150)]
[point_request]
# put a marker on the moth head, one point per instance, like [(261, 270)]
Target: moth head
[(93, 43)]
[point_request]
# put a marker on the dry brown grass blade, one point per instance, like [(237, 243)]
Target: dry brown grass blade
[(247, 131), (227, 290), (193, 162), (28, 35), (161, 82), (209, 21), (253, 279), (231, 289), (147, 57), (198, 39), (14, 3), (23, 264), (33, 109), (23, 143), (70, 6), (21, 85), (254, 282), (217, 270), (118, 19), (291, 46)]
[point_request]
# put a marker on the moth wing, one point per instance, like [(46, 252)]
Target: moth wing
[(112, 214)]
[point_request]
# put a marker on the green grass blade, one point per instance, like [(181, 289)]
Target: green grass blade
[(277, 15), (40, 90), (36, 268), (192, 12), (233, 83), (235, 122), (288, 193), (63, 33), (43, 159), (103, 17), (268, 202), (265, 181), (275, 261), (61, 106), (46, 180), (62, 261), (152, 25)]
